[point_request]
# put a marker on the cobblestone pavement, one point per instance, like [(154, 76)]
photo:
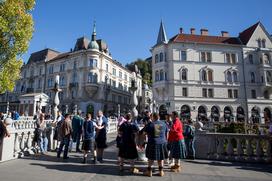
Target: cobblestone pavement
[(49, 168)]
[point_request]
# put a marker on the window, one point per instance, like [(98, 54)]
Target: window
[(252, 77), (235, 93), (183, 74), (120, 86), (62, 67), (161, 75), (75, 65), (32, 72), (39, 83), (204, 92), (235, 77), (50, 82), (126, 77), (266, 94), (92, 77), (62, 81), (157, 76), (268, 76), (206, 56), (93, 63), (230, 93), (125, 88), (114, 83), (229, 78), (250, 58), (266, 59), (263, 43), (114, 71), (233, 58), (228, 58), (113, 98), (210, 75), (259, 43), (120, 75), (107, 67), (183, 55), (204, 75), (165, 75), (51, 69), (184, 92), (74, 78), (161, 57), (40, 72), (210, 92), (253, 94), (156, 58)]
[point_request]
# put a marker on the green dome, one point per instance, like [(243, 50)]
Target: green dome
[(93, 45)]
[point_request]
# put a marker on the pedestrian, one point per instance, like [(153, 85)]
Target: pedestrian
[(77, 123), (15, 115), (156, 149), (168, 122), (189, 135), (42, 131), (65, 135), (101, 135), (89, 145), (3, 129), (118, 140), (147, 117), (176, 142), (127, 148), (57, 124)]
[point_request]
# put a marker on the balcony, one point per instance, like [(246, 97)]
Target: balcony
[(91, 88)]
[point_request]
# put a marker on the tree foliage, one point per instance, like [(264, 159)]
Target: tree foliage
[(145, 68), (16, 28)]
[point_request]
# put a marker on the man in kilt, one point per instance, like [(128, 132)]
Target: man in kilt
[(156, 149), (176, 142)]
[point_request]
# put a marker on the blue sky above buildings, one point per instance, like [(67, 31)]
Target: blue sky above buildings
[(130, 28)]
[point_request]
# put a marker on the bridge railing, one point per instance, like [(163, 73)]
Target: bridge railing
[(233, 147), (20, 142)]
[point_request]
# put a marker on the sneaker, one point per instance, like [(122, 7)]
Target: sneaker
[(134, 170), (148, 173), (176, 168)]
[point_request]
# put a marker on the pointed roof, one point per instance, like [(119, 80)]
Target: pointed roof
[(162, 38), (94, 32), (81, 44), (247, 33)]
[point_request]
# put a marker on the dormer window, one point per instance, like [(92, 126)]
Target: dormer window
[(259, 43), (263, 43)]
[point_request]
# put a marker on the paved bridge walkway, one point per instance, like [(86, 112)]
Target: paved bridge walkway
[(49, 168)]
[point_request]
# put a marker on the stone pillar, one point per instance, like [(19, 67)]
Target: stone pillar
[(56, 99), (134, 104)]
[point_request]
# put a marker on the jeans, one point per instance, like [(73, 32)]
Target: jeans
[(76, 138), (43, 144), (190, 147), (64, 143)]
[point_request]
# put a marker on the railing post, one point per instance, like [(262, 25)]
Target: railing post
[(249, 149), (259, 149), (220, 148), (240, 150), (230, 151)]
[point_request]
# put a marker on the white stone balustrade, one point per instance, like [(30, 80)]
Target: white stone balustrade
[(233, 147)]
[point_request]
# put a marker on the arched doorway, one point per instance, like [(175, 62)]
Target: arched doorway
[(255, 115), (162, 110), (228, 114), (240, 114), (267, 115), (202, 113), (185, 112), (90, 109), (215, 114)]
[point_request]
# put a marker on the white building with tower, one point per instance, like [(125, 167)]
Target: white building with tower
[(214, 78)]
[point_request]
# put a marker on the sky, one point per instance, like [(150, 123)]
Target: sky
[(130, 28)]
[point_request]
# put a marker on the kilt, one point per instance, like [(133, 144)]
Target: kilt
[(88, 145), (156, 151), (177, 149)]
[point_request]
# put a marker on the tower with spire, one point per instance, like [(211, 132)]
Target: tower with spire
[(162, 38), (93, 44)]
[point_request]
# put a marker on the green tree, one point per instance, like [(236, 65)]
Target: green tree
[(145, 68), (16, 28)]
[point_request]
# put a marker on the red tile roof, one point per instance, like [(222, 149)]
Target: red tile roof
[(247, 33), (205, 39)]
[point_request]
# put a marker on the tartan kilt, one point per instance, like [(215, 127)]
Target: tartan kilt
[(156, 151), (177, 149)]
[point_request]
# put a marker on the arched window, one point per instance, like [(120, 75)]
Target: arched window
[(161, 75), (263, 43), (252, 77), (235, 77), (161, 57), (250, 58), (268, 76), (204, 75), (229, 78), (157, 76), (210, 75), (156, 58), (266, 59), (184, 74)]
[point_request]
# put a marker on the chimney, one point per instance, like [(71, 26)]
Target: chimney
[(192, 30), (225, 34), (181, 30), (204, 32)]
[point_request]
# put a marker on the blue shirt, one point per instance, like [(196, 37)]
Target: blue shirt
[(89, 130), (156, 132)]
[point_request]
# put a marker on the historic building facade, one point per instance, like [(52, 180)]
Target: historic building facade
[(214, 77), (90, 78)]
